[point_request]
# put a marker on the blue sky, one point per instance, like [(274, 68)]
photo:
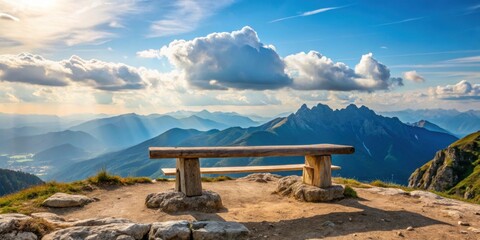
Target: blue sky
[(244, 56)]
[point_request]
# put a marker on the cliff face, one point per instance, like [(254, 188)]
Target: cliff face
[(455, 170)]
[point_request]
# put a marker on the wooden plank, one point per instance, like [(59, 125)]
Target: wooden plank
[(190, 181), (248, 151), (317, 171), (245, 169)]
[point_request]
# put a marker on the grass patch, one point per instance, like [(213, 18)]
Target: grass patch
[(379, 183), (162, 179), (350, 182), (29, 200), (216, 179), (38, 226), (104, 178), (350, 192)]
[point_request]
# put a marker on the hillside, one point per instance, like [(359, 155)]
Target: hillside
[(37, 143), (385, 147), (377, 213), (13, 181), (60, 155), (455, 170)]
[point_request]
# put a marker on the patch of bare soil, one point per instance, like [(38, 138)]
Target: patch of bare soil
[(270, 216)]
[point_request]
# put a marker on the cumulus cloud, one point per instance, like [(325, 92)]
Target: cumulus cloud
[(413, 76), (150, 53), (313, 71), (463, 90), (228, 60), (34, 69)]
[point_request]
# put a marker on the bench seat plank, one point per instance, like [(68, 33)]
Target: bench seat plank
[(249, 151), (271, 168)]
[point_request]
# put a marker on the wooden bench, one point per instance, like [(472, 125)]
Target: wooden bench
[(316, 170)]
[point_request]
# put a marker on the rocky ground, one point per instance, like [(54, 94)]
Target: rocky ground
[(378, 213)]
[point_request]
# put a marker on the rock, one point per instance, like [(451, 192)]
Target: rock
[(63, 200), (463, 232), (472, 229), (211, 230), (410, 228), (400, 234), (387, 191), (170, 230), (424, 194), (106, 232), (172, 201), (18, 236), (293, 186), (261, 177), (8, 221), (8, 227), (463, 223), (328, 224), (453, 213), (100, 221)]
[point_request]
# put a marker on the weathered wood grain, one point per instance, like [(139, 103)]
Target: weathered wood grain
[(248, 151), (317, 171), (244, 169), (190, 181)]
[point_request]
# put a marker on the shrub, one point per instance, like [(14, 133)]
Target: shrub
[(216, 179), (350, 192)]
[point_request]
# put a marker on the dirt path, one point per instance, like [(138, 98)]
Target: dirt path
[(270, 216)]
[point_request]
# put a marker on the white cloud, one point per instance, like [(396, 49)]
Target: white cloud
[(34, 69), (47, 24), (413, 76), (401, 21), (228, 60), (312, 71), (463, 90), (150, 53), (473, 59), (185, 15)]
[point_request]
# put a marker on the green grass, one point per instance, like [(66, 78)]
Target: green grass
[(350, 192), (216, 179), (162, 179), (30, 199), (379, 183), (350, 182)]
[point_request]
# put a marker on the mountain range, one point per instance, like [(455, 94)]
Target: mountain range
[(458, 123), (386, 148)]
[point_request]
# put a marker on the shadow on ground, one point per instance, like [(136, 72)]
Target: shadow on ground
[(366, 219)]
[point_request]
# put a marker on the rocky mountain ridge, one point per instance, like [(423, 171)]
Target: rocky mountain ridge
[(455, 169)]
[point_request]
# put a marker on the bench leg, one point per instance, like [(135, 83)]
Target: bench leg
[(188, 179), (317, 171)]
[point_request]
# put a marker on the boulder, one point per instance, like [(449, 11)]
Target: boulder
[(211, 230), (293, 186), (9, 227), (261, 177), (113, 231), (18, 236), (170, 230), (64, 200), (172, 201)]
